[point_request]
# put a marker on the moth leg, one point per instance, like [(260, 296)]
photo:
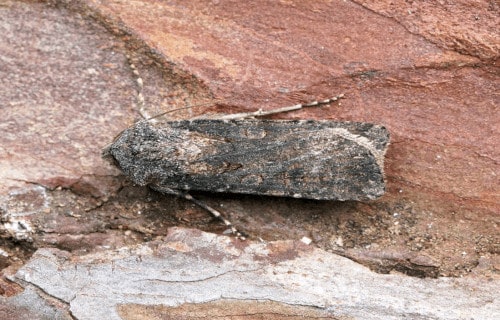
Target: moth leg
[(216, 214), (203, 205), (260, 112)]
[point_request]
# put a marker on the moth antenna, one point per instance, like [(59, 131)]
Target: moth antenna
[(261, 113)]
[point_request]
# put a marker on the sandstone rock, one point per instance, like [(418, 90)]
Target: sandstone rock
[(188, 269), (68, 88)]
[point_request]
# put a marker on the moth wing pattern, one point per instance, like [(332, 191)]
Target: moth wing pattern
[(322, 160)]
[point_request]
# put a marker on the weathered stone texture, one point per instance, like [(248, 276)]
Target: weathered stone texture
[(190, 267), (426, 70)]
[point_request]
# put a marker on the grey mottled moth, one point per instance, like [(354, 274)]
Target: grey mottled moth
[(313, 159)]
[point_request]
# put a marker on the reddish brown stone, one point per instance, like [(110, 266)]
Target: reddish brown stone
[(224, 310), (430, 84), (468, 27), (8, 288), (430, 78)]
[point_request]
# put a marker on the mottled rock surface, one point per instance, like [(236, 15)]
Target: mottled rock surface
[(32, 304), (427, 71), (192, 267)]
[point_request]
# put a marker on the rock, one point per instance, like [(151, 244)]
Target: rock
[(55, 112), (463, 26), (30, 305), (188, 270), (405, 67), (70, 88)]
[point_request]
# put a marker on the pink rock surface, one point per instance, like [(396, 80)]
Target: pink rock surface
[(429, 76), (431, 79), (468, 27)]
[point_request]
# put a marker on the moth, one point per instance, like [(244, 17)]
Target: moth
[(311, 159)]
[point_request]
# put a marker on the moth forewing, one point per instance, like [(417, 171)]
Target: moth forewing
[(323, 160)]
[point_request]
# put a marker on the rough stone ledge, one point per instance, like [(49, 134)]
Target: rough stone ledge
[(193, 267)]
